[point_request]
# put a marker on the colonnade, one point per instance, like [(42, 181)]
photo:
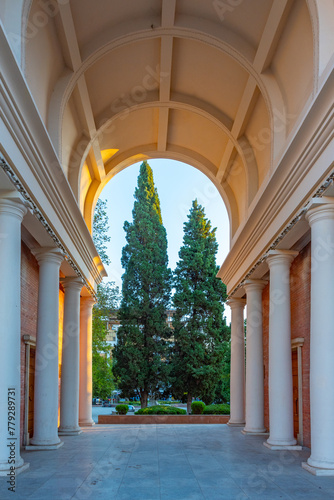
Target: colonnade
[(247, 386), (247, 393), (76, 376)]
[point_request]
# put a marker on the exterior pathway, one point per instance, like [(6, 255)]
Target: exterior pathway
[(166, 462)]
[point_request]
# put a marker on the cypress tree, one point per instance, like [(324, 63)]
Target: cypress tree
[(140, 357), (199, 325)]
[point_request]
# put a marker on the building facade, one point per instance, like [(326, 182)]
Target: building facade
[(113, 324), (244, 92)]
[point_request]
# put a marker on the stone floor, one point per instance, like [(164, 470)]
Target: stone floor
[(166, 462)]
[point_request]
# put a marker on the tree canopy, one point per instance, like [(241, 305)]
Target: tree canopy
[(199, 325), (107, 302), (100, 230), (141, 361)]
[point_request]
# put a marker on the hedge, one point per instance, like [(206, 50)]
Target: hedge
[(197, 407), (122, 409), (161, 410), (222, 409)]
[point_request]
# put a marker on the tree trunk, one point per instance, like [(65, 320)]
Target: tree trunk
[(189, 401), (143, 399)]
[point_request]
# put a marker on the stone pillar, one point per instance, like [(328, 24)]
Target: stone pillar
[(237, 380), (69, 388), (254, 359), (12, 212), (86, 392), (47, 364), (280, 362), (321, 219)]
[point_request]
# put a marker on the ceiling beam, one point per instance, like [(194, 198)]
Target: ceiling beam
[(271, 33), (69, 41), (267, 45), (168, 13), (166, 55), (72, 55), (163, 128)]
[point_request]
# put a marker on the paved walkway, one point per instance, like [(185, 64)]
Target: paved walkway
[(166, 462)]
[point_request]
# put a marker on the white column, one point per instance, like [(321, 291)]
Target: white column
[(237, 378), (86, 383), (11, 215), (254, 359), (280, 362), (321, 219), (46, 365), (69, 388)]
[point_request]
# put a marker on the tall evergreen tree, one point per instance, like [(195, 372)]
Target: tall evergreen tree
[(140, 357), (199, 325)]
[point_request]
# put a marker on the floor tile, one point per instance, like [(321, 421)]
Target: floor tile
[(180, 462)]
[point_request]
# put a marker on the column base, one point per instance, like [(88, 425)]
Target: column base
[(41, 447), (69, 432), (18, 470), (295, 447), (317, 471), (255, 432), (87, 423), (236, 424)]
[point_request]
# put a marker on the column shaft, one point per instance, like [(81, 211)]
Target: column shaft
[(69, 390), (321, 219), (86, 383), (237, 379), (46, 366), (280, 363), (11, 215), (254, 358)]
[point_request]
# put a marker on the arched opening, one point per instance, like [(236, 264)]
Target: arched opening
[(165, 80), (177, 184)]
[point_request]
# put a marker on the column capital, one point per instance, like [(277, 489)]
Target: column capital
[(250, 285), (73, 283), (236, 303), (13, 207), (320, 209), (280, 256), (48, 254), (87, 301)]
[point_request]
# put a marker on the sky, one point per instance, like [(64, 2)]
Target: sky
[(178, 184)]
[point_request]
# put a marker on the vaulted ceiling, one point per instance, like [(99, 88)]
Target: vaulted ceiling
[(219, 84)]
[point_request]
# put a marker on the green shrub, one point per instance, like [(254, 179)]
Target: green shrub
[(197, 407), (222, 409), (122, 409), (161, 410)]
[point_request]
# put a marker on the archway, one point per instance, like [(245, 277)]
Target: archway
[(177, 184)]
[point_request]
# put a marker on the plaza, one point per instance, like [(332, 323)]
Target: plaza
[(167, 462)]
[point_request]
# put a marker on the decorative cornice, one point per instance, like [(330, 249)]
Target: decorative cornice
[(38, 214), (318, 194)]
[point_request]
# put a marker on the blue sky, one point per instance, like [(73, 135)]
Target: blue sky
[(178, 184)]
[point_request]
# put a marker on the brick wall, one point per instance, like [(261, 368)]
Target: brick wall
[(29, 301), (300, 327), (265, 319)]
